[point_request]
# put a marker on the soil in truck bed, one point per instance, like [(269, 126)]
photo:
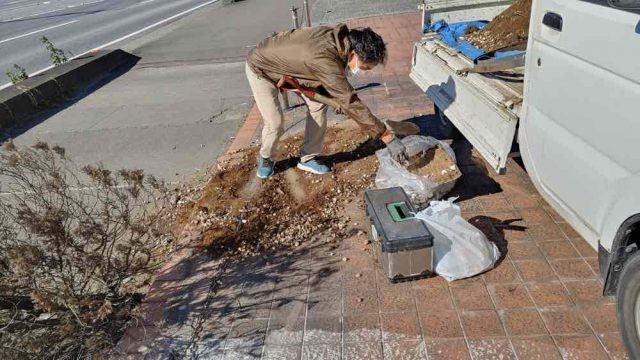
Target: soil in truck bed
[(507, 31)]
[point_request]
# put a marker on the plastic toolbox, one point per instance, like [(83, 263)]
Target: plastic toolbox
[(405, 243)]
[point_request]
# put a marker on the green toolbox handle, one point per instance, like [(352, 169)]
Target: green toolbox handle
[(399, 211)]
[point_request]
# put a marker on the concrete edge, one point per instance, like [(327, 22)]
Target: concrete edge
[(20, 102)]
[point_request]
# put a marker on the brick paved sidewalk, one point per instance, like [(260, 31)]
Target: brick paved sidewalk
[(542, 301)]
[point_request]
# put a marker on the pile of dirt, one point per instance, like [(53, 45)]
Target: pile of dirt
[(239, 215), (507, 31), (435, 164)]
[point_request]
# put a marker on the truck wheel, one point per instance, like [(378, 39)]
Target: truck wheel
[(628, 296), (445, 126)]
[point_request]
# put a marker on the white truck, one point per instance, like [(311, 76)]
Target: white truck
[(573, 110)]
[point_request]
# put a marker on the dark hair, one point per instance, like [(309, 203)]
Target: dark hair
[(368, 45)]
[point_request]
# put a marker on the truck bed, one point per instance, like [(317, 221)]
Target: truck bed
[(485, 108)]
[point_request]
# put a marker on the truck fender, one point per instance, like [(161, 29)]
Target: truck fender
[(620, 235)]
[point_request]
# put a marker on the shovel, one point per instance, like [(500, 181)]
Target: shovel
[(288, 83)]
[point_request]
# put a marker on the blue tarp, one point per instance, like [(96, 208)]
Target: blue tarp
[(451, 35)]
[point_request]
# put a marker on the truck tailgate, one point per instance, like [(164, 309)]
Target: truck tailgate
[(484, 108)]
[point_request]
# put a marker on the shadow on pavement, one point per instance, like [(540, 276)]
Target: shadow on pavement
[(494, 229)]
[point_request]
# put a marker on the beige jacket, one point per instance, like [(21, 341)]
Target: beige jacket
[(317, 57)]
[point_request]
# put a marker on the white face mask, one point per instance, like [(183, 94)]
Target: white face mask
[(356, 71)]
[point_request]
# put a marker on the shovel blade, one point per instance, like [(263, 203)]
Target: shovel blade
[(402, 128)]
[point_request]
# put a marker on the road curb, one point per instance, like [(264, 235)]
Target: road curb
[(18, 103)]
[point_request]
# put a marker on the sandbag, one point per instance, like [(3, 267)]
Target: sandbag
[(420, 189)]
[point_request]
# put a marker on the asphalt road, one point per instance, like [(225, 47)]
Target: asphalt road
[(74, 25)]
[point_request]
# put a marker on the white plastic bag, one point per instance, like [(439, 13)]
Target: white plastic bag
[(460, 250), (420, 189)]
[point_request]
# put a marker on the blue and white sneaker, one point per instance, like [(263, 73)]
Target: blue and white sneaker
[(265, 168), (313, 166)]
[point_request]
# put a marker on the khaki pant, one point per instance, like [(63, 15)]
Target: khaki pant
[(266, 97)]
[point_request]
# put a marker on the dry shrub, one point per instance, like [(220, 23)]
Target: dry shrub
[(77, 245)]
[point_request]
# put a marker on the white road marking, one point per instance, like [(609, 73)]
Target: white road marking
[(146, 1), (37, 31), (84, 4), (123, 38), (148, 27), (54, 10)]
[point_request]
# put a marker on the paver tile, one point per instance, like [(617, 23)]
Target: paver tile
[(513, 236), (546, 232), (603, 318), (400, 326), (522, 322), (580, 347), (247, 333), (554, 214), (481, 324), (324, 303), (494, 202), (362, 351), (358, 281), (524, 250), (447, 349), (243, 353), (433, 281), (324, 329), (331, 351), (594, 264), (281, 352), (568, 230), (325, 279), (395, 301), (523, 201), (583, 247), (510, 296), (432, 299), (491, 349), (535, 270), (614, 346), (504, 272), (361, 302), (475, 280), (560, 249), (404, 350), (285, 331), (587, 292), (565, 320), (536, 347), (441, 324), (549, 294), (472, 297), (286, 307), (362, 328), (572, 269), (535, 216)]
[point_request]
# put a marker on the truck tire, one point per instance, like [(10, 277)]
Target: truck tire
[(628, 307), (445, 126)]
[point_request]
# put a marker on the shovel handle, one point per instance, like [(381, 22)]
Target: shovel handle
[(288, 83)]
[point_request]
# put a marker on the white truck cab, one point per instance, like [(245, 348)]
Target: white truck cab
[(574, 117)]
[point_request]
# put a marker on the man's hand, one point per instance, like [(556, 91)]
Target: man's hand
[(397, 150)]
